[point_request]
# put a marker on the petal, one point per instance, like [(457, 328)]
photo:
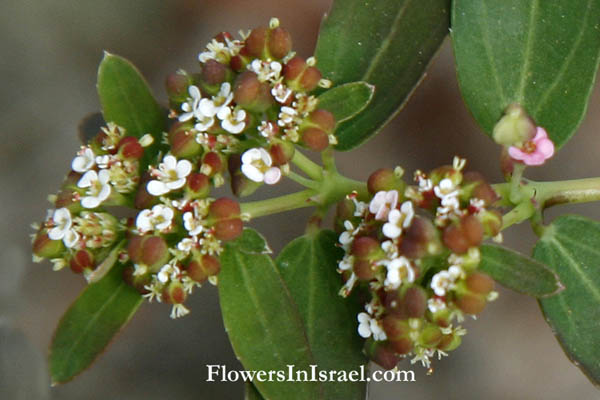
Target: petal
[(272, 176), (186, 116), (103, 176), (534, 159), (251, 155), (87, 179), (70, 239), (540, 134), (207, 108), (545, 147), (194, 92), (252, 173), (104, 193), (364, 330), (90, 202), (265, 157), (224, 113), (516, 153), (157, 188), (175, 184), (391, 230), (184, 167), (170, 162), (56, 233)]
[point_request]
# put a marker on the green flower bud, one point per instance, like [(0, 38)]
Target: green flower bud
[(514, 128)]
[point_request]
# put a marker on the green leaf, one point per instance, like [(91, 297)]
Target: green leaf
[(261, 319), (97, 315), (518, 272), (347, 100), (126, 98), (387, 43), (571, 247), (250, 392), (308, 266), (541, 54)]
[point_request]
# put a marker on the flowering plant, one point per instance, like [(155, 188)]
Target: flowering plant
[(138, 216)]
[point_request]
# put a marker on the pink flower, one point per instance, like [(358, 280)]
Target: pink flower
[(534, 151)]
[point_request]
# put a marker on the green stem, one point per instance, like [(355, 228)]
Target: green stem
[(310, 168), (308, 183), (515, 183), (275, 205), (518, 214), (561, 192), (328, 160)]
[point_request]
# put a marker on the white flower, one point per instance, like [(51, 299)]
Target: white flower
[(347, 237), (103, 161), (445, 188), (158, 218), (267, 129), (204, 122), (286, 116), (186, 245), (192, 224), (398, 219), (368, 326), (140, 269), (266, 71), (210, 108), (168, 272), (346, 263), (171, 175), (84, 160), (98, 188), (425, 184), (179, 310), (441, 282), (281, 93), (232, 121), (382, 203), (347, 288), (62, 229), (436, 304), (191, 107), (399, 270), (456, 272), (222, 52), (257, 166)]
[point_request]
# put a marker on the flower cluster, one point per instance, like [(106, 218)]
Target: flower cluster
[(414, 250), (249, 105), (245, 111)]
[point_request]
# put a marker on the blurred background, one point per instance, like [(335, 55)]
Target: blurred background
[(50, 52)]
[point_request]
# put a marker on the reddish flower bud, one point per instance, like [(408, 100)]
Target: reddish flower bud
[(255, 42), (460, 237), (177, 86), (82, 260), (45, 247), (183, 141), (224, 208), (279, 43), (471, 303), (130, 148), (430, 335), (323, 119), (310, 79), (299, 76), (365, 247), (67, 198), (382, 354), (402, 345), (213, 73), (200, 268), (198, 185), (344, 211), (365, 270), (492, 223), (395, 327), (174, 293), (419, 239), (148, 250), (281, 153), (229, 229), (473, 230), (479, 283), (212, 163), (449, 342), (252, 94), (385, 179), (315, 139)]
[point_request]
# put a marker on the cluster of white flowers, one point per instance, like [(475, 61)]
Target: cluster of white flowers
[(221, 51)]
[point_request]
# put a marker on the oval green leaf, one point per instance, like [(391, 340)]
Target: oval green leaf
[(571, 247), (541, 54), (261, 319), (347, 100), (308, 266), (387, 43), (87, 327), (518, 272), (250, 392)]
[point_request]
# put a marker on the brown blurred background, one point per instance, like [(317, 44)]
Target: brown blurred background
[(50, 52)]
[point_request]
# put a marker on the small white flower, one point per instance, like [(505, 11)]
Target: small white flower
[(368, 326), (436, 304), (445, 188), (84, 161), (139, 269), (456, 272), (179, 310), (347, 288), (346, 263), (267, 129), (257, 166), (191, 107), (192, 224), (266, 71), (441, 282), (399, 270), (98, 188), (222, 52), (103, 161), (63, 228), (171, 175), (204, 122), (281, 93), (232, 121), (210, 108), (186, 245), (399, 219), (286, 116), (168, 272), (382, 203), (347, 237), (425, 184), (159, 218)]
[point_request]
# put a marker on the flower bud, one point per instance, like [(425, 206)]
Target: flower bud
[(138, 282), (174, 293), (183, 141), (143, 199), (430, 336), (252, 94), (385, 179), (381, 353), (241, 186), (214, 73), (420, 239), (255, 42), (479, 283), (45, 247), (177, 86), (203, 266), (229, 229), (322, 119), (212, 164), (344, 211), (315, 139), (411, 304), (471, 303), (67, 198), (224, 208), (281, 153), (198, 185), (460, 237), (472, 229), (83, 259), (299, 76), (226, 212), (475, 186), (148, 250), (279, 43), (492, 223), (514, 128), (130, 148), (395, 327), (449, 342)]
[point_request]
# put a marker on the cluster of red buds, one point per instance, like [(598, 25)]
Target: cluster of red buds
[(413, 251), (245, 110)]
